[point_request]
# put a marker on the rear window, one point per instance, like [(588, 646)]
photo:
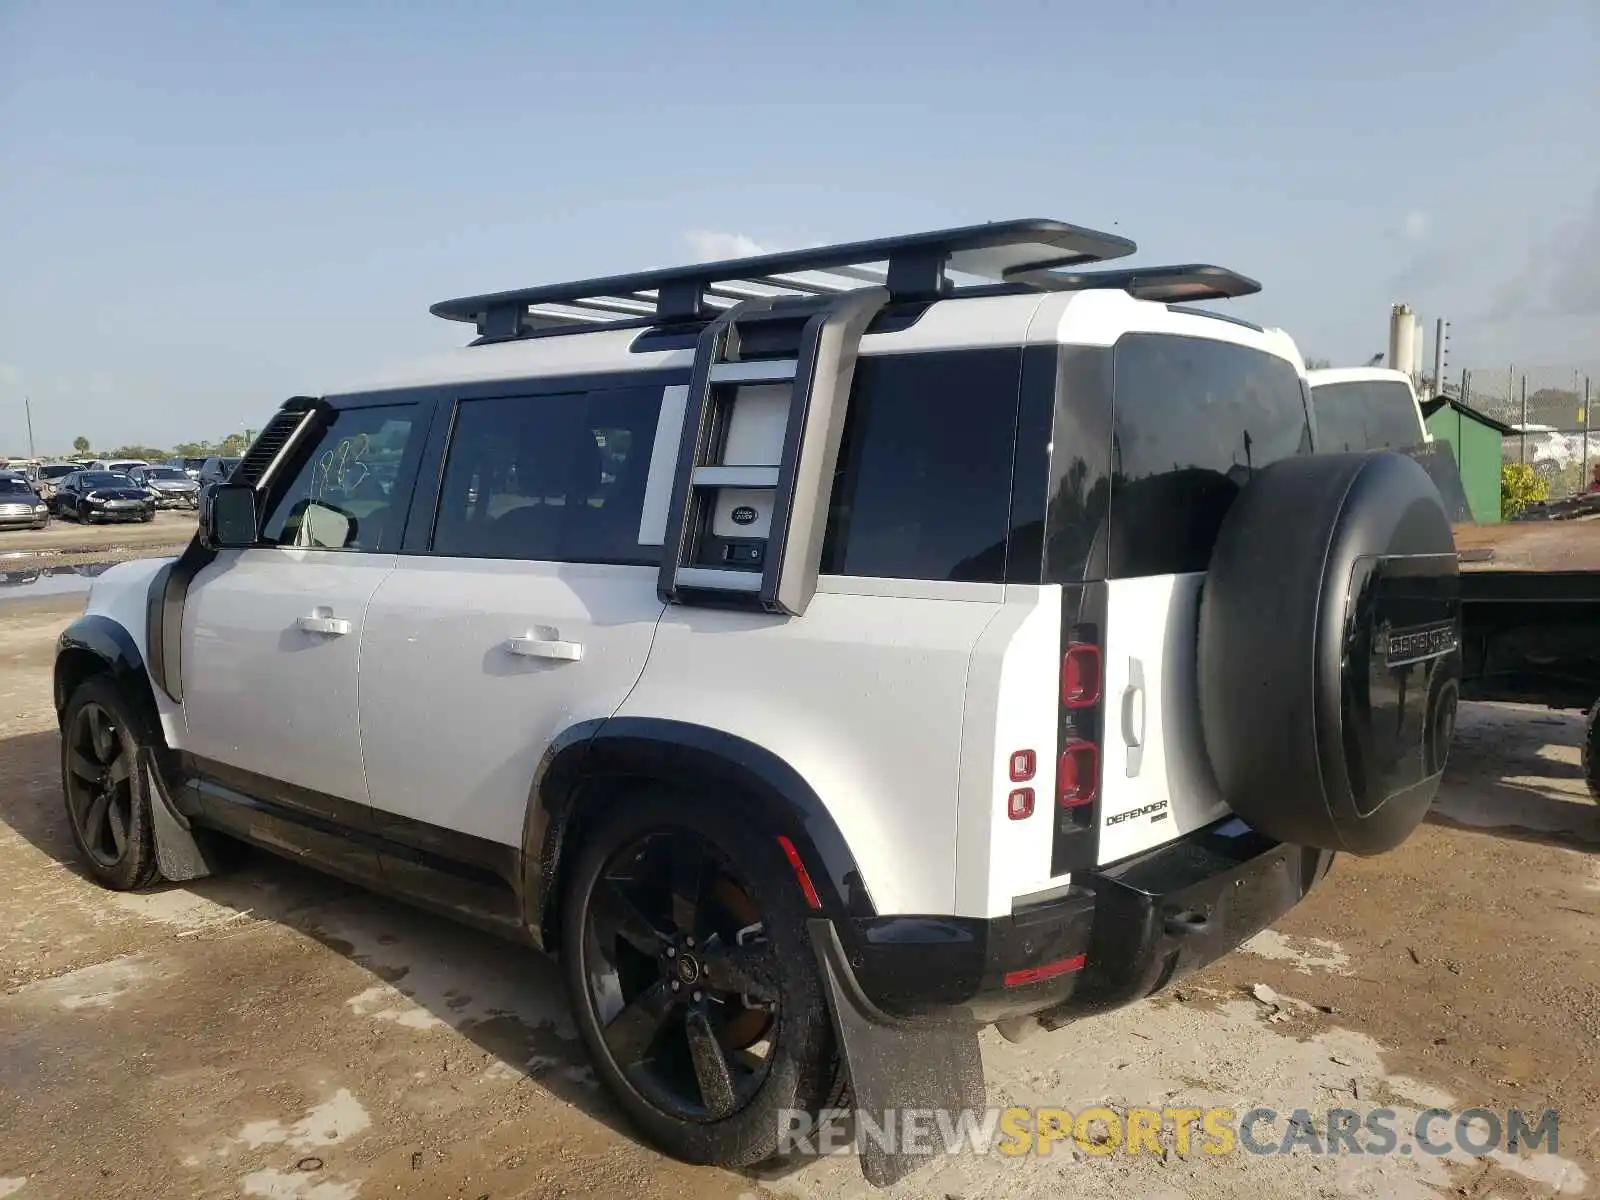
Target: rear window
[(56, 471), (1192, 418), (1365, 415)]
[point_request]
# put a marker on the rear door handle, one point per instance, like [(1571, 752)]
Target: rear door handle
[(532, 646), (322, 620), (1133, 718)]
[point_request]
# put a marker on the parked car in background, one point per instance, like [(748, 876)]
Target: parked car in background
[(189, 466), (47, 476), (215, 470), (171, 487), (94, 496), (1366, 408), (121, 466), (20, 506)]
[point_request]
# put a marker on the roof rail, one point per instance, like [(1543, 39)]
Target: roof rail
[(1189, 282), (1025, 253)]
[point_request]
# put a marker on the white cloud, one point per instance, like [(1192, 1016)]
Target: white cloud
[(709, 245), (1416, 225)]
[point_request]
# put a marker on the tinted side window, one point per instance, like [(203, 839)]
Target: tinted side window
[(1192, 419), (558, 478), (343, 497), (1365, 416), (924, 483)]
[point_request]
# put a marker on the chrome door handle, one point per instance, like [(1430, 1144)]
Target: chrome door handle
[(531, 646), (1133, 718), (322, 620)]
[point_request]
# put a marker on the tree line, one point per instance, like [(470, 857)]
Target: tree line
[(232, 446)]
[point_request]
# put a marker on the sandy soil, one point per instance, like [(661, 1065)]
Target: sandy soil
[(271, 1033), (67, 542)]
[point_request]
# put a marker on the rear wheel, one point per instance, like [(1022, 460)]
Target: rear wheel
[(693, 981), (108, 803)]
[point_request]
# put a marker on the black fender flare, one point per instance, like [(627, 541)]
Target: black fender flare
[(114, 652), (774, 797)]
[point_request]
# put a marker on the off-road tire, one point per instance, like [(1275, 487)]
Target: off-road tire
[(804, 1074), (136, 867)]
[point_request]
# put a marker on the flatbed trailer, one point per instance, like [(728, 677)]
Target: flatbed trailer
[(1530, 616)]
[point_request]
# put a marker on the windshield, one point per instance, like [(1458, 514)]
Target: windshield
[(104, 479), (10, 486), (56, 471), (165, 473), (1365, 415)]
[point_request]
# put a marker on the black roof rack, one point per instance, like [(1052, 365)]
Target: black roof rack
[(1024, 253), (1189, 282)]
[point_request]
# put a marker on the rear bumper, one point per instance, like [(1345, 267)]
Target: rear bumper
[(1119, 934)]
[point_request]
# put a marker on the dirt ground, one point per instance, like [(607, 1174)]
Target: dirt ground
[(67, 542), (274, 1034)]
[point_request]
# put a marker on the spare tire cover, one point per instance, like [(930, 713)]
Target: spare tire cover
[(1329, 650)]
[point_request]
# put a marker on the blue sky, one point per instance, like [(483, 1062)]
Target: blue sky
[(205, 208)]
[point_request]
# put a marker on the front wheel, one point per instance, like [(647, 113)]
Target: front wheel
[(693, 982), (108, 801), (148, 517)]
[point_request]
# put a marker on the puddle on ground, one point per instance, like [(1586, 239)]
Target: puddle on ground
[(29, 582)]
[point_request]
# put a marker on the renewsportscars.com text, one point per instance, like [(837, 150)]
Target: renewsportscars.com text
[(1206, 1131)]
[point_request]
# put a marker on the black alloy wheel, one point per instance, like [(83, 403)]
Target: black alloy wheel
[(681, 978), (107, 802), (693, 980), (100, 784)]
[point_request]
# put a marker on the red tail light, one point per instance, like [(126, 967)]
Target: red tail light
[(1078, 775), (1080, 675)]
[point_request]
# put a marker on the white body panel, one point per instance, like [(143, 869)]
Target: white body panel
[(453, 722), (1156, 783), (262, 694), (120, 593), (1011, 705), (863, 697)]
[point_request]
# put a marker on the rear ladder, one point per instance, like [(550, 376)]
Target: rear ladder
[(773, 567)]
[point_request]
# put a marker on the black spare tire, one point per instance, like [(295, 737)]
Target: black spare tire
[(1329, 650)]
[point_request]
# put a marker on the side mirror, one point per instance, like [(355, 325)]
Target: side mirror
[(228, 516)]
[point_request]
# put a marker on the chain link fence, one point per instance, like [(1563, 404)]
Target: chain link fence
[(1549, 408)]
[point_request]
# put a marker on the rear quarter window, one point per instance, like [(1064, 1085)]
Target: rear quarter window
[(923, 489), (1192, 418)]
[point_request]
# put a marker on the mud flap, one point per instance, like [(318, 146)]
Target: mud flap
[(895, 1065), (178, 854)]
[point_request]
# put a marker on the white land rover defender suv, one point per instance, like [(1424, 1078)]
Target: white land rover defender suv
[(827, 654)]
